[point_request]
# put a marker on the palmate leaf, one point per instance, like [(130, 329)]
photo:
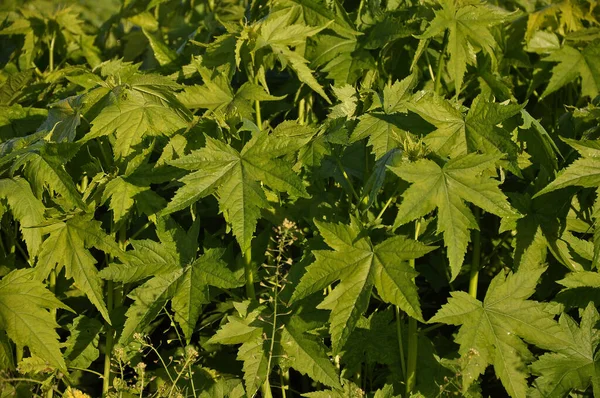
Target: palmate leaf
[(446, 188), (63, 119), (580, 288), (24, 315), (121, 193), (218, 96), (539, 228), (277, 33), (234, 176), (171, 277), (572, 64), (44, 169), (315, 13), (477, 131), (583, 172), (491, 331), (293, 347), (67, 246), (26, 208), (574, 365), (360, 266), (82, 344), (381, 127), (146, 106), (468, 24)]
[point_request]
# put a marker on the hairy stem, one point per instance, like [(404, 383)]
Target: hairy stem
[(475, 262), (413, 338)]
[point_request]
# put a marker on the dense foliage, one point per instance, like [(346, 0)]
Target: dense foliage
[(319, 198)]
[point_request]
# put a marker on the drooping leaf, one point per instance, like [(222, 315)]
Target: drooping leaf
[(447, 188), (63, 119)]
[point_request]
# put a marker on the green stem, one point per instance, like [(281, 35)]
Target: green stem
[(475, 263), (438, 75), (257, 108), (284, 379), (348, 180), (400, 345), (387, 204), (249, 273), (413, 337), (52, 287), (413, 340), (109, 340), (302, 111), (113, 295), (187, 362), (19, 353), (51, 60), (258, 116), (87, 370)]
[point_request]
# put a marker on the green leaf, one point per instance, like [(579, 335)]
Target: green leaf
[(234, 176), (82, 344), (446, 188), (121, 195), (382, 131), (25, 316), (308, 356), (146, 109), (149, 300), (360, 266), (193, 292), (63, 119), (315, 13), (580, 288), (218, 96), (491, 331), (573, 63), (477, 131), (26, 208), (171, 275), (468, 25), (583, 172), (45, 171), (67, 246), (575, 364), (163, 54)]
